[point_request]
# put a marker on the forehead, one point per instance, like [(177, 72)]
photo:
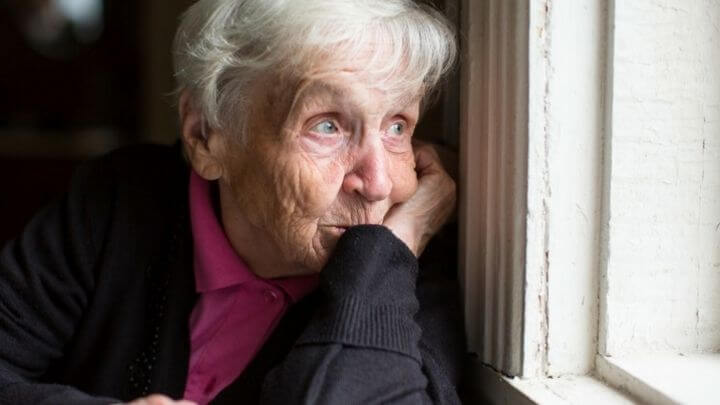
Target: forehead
[(372, 71), (353, 86), (354, 91)]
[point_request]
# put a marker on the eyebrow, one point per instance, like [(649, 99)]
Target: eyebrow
[(319, 87)]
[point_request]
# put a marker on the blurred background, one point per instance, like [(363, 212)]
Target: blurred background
[(82, 77)]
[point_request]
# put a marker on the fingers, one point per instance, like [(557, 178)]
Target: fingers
[(420, 217), (446, 159), (426, 159), (431, 172), (158, 399)]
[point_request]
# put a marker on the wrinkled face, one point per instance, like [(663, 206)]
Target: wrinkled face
[(323, 152)]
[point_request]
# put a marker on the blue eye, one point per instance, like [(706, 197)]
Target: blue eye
[(397, 128), (326, 127)]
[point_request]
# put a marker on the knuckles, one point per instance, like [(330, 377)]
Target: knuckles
[(155, 399)]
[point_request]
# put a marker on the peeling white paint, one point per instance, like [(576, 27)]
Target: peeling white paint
[(535, 311), (567, 83)]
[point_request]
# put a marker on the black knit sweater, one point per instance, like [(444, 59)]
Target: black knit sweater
[(96, 293)]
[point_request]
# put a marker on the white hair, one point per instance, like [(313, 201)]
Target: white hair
[(223, 46)]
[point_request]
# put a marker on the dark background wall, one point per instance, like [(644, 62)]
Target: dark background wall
[(75, 83), (75, 87)]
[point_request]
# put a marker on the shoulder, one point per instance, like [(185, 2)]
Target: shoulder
[(130, 173), (129, 191), (144, 155), (140, 163)]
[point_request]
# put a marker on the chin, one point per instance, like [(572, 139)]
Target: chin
[(319, 249), (311, 265), (308, 252), (318, 261)]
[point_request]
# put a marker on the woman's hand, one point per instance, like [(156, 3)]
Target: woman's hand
[(158, 399), (416, 220)]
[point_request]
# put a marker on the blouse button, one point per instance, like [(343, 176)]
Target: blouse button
[(270, 295)]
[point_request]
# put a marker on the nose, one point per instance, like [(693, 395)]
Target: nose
[(369, 176)]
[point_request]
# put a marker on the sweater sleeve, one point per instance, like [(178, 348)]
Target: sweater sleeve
[(364, 345), (46, 276)]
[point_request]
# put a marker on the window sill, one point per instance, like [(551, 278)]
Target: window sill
[(654, 378), (493, 388), (569, 390), (664, 378)]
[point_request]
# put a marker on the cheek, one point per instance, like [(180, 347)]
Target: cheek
[(303, 185), (309, 186), (404, 177)]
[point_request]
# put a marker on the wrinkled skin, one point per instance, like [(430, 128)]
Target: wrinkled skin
[(306, 186), (323, 152)]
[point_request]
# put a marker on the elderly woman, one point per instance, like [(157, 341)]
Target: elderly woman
[(276, 262)]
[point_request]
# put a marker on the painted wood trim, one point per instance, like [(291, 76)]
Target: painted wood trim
[(493, 149)]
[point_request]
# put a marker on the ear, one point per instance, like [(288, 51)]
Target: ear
[(203, 146)]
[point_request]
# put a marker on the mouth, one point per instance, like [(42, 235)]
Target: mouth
[(336, 229)]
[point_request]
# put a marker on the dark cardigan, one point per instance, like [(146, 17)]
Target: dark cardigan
[(96, 293)]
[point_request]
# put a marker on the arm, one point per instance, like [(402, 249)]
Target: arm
[(46, 275), (365, 344)]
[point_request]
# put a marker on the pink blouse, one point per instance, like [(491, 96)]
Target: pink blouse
[(236, 310)]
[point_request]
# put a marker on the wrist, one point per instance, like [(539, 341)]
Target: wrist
[(408, 234)]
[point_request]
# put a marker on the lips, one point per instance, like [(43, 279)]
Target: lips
[(336, 229), (340, 229)]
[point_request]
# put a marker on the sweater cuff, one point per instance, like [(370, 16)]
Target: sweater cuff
[(353, 322)]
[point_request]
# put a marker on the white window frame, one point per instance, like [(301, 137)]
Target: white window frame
[(535, 133)]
